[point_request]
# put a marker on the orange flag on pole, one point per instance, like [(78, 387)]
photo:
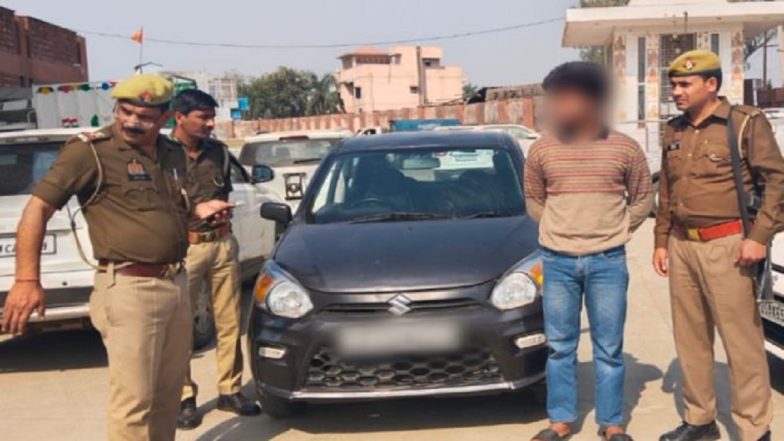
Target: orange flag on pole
[(138, 36)]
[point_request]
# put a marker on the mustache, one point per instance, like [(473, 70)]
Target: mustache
[(133, 129)]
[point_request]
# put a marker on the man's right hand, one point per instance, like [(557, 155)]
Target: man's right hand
[(661, 261), (22, 300)]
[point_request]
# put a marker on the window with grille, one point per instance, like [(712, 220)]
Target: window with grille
[(672, 46), (642, 57)]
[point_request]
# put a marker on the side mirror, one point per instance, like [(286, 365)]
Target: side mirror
[(275, 211), (261, 173)]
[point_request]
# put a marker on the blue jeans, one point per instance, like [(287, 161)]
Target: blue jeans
[(604, 279)]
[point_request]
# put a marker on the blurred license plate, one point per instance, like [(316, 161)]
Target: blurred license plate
[(773, 311), (8, 245), (398, 338)]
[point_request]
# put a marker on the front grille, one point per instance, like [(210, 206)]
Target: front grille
[(415, 306), (328, 371)]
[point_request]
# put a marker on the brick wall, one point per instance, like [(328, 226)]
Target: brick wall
[(513, 111), (52, 43), (33, 51), (8, 32)]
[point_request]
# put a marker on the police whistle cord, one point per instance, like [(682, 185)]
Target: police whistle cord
[(82, 207)]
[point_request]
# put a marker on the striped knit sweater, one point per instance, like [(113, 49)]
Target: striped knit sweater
[(587, 197)]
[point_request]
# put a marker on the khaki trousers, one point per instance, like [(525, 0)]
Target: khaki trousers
[(146, 327), (708, 290), (216, 264)]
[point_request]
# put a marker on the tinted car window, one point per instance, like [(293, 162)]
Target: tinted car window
[(23, 165), (444, 183), (284, 152)]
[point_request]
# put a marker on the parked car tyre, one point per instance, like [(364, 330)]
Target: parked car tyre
[(277, 407), (203, 322), (655, 189)]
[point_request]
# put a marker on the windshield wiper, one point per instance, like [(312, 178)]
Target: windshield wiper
[(485, 214), (306, 160), (396, 216)]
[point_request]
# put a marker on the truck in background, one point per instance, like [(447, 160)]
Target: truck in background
[(89, 104), (414, 125)]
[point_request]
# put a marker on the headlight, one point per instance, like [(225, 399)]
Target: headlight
[(280, 294), (520, 286)]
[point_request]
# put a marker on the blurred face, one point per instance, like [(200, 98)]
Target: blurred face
[(568, 110), (693, 92), (198, 124), (139, 125)]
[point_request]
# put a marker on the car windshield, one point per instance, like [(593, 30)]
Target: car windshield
[(286, 152), (418, 184), (23, 165)]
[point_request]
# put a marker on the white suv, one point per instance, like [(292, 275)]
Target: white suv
[(25, 157), (283, 162)]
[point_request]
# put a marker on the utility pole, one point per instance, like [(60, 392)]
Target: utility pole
[(421, 77), (765, 62)]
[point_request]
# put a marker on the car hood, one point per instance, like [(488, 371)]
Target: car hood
[(394, 256)]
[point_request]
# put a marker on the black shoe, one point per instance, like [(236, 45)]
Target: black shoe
[(766, 437), (189, 417), (238, 404), (687, 432)]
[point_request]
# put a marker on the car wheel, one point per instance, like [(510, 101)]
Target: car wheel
[(203, 323), (655, 189), (277, 407)]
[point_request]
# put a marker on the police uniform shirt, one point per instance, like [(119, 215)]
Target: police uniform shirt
[(697, 187), (140, 213), (207, 177)]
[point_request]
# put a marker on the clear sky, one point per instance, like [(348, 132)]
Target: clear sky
[(514, 57)]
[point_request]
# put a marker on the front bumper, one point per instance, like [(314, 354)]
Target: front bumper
[(310, 369), (772, 313)]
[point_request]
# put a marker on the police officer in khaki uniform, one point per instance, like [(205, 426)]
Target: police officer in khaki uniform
[(212, 258), (128, 180), (701, 248)]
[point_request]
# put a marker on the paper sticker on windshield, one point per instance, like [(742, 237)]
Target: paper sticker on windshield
[(136, 171)]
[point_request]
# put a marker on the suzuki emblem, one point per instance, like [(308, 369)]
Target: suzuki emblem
[(399, 305)]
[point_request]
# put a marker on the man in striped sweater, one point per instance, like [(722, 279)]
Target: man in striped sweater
[(589, 188)]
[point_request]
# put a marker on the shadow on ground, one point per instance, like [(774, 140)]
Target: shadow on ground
[(638, 375), (53, 351), (672, 384)]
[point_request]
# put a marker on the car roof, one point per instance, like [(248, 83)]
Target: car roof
[(315, 134), (51, 135), (414, 140), (68, 132)]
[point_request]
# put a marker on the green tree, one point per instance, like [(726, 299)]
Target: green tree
[(470, 90), (324, 96), (288, 92)]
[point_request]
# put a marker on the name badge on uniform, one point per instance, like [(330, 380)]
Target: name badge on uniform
[(674, 146), (136, 171)]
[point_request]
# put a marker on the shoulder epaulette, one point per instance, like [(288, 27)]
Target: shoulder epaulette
[(751, 111), (88, 137)]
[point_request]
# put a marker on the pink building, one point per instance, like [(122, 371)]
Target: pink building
[(406, 76)]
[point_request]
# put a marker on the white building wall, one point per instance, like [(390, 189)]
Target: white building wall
[(624, 68)]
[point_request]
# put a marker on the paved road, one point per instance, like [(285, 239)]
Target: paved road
[(53, 387)]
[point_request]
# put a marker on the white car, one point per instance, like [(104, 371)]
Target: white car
[(773, 311), (774, 112), (284, 162), (25, 157), (522, 134)]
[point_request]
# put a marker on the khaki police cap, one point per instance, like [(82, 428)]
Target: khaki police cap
[(147, 90), (694, 63)]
